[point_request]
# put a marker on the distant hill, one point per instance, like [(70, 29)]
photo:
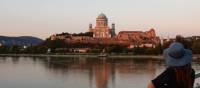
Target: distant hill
[(22, 40)]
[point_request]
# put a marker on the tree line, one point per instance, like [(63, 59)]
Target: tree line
[(60, 46)]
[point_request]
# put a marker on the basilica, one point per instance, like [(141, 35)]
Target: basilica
[(103, 34), (102, 30)]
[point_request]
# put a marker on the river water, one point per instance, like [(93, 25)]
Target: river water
[(60, 72)]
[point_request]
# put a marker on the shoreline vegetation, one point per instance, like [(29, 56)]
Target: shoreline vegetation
[(63, 48), (196, 57)]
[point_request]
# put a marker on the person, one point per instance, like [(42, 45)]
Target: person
[(179, 73)]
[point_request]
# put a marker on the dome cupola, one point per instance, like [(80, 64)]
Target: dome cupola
[(102, 16)]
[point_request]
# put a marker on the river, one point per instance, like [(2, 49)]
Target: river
[(79, 72)]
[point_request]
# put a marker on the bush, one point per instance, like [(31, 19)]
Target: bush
[(196, 47)]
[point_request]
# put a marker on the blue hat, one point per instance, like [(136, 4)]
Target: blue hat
[(176, 55)]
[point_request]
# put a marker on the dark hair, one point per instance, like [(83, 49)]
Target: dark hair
[(184, 76)]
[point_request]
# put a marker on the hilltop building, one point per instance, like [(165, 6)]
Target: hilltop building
[(103, 34), (102, 30), (139, 38), (136, 35)]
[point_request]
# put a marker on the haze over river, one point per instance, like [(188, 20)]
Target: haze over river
[(65, 72)]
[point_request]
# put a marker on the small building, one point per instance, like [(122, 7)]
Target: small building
[(131, 46), (49, 50), (83, 50), (147, 45), (144, 45), (196, 37), (192, 38), (79, 50)]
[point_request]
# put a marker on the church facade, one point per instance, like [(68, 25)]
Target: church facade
[(102, 30)]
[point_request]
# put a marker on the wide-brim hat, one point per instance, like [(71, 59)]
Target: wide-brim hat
[(176, 55)]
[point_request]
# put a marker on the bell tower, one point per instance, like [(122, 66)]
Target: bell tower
[(112, 30), (90, 28)]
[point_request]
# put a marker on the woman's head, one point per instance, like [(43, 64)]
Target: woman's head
[(177, 55), (180, 59)]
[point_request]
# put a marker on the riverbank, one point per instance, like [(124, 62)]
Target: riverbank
[(82, 55), (157, 57)]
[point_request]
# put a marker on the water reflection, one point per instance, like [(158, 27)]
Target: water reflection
[(102, 72), (87, 72)]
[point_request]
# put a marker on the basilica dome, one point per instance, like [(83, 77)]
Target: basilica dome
[(102, 16)]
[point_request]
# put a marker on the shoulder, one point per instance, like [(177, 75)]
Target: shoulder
[(164, 78), (168, 71)]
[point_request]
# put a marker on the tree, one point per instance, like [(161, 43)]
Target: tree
[(196, 47), (138, 50), (181, 39), (4, 49), (116, 49)]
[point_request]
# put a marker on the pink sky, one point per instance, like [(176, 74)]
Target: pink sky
[(41, 18)]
